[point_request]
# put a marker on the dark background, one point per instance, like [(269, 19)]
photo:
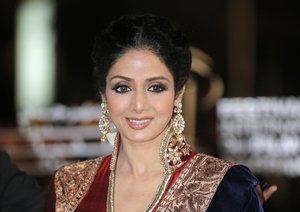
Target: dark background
[(277, 46), (277, 33)]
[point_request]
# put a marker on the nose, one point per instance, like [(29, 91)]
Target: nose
[(139, 102)]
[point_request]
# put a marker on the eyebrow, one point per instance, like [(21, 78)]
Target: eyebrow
[(121, 77), (157, 78), (130, 79)]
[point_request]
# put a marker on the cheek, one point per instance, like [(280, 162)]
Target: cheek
[(113, 104), (114, 107), (165, 107), (115, 111)]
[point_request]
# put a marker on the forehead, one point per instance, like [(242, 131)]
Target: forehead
[(138, 64)]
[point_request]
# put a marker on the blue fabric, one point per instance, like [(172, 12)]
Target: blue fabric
[(236, 193)]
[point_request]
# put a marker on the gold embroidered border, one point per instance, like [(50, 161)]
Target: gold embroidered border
[(196, 185), (72, 183)]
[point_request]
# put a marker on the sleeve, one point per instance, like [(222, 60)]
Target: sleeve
[(18, 190), (236, 192)]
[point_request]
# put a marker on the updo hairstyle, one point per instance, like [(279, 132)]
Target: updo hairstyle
[(142, 32)]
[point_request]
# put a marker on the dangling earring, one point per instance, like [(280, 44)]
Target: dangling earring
[(177, 147), (104, 125), (178, 123)]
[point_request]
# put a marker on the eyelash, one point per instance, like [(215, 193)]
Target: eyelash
[(121, 88), (156, 88)]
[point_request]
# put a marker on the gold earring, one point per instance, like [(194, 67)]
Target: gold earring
[(178, 123), (177, 147), (104, 125)]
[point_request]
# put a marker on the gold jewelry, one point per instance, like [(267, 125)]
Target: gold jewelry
[(104, 124), (178, 122), (177, 146)]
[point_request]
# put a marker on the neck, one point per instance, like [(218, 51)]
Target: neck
[(139, 158), (135, 158)]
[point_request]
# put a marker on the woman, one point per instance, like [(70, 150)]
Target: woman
[(142, 63)]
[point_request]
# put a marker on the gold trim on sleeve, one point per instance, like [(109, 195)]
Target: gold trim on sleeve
[(72, 182)]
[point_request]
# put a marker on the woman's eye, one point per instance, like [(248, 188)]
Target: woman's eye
[(157, 88), (121, 89)]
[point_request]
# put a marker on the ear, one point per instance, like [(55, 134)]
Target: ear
[(179, 95), (103, 97)]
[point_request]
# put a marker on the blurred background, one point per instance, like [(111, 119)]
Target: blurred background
[(242, 101)]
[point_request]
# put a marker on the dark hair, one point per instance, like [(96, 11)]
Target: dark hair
[(149, 32)]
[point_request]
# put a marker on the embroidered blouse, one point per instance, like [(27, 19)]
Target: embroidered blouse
[(203, 183)]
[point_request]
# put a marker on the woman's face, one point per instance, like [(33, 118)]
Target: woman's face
[(140, 96)]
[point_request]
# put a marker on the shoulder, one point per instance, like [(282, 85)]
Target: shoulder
[(72, 182), (240, 179), (17, 188), (196, 184), (79, 167), (210, 165), (8, 171), (205, 169), (237, 191), (235, 174), (79, 171), (3, 156), (5, 162), (240, 174)]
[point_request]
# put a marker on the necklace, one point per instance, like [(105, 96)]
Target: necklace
[(162, 186)]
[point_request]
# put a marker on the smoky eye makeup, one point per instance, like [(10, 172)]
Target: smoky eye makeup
[(157, 87), (121, 88)]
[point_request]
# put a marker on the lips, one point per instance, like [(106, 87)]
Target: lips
[(139, 123)]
